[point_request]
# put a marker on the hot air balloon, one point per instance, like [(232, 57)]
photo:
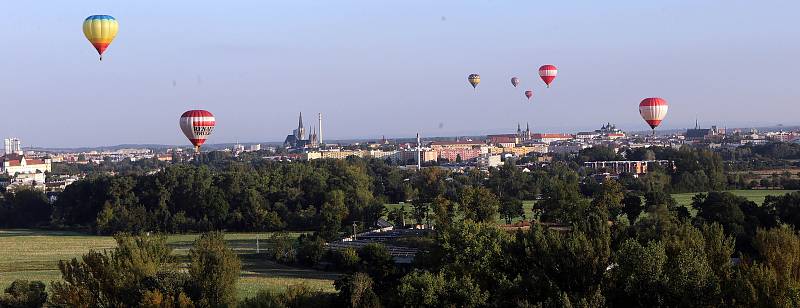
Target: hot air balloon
[(529, 94), (474, 80), (100, 30), (548, 72), (197, 125), (653, 111), (514, 81)]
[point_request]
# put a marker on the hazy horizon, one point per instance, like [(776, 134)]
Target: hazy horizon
[(379, 68)]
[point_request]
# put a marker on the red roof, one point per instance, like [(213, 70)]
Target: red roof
[(17, 162), (457, 142)]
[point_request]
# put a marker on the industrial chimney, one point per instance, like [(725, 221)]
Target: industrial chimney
[(319, 117), (419, 153)]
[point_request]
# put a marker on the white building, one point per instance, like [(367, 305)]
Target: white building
[(13, 146), (15, 164), (567, 147), (34, 180), (488, 160), (255, 147)]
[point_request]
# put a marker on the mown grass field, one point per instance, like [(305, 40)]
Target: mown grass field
[(756, 196), (34, 255)]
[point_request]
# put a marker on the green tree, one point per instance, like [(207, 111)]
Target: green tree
[(639, 271), (632, 207), (310, 249), (511, 208), (378, 264), (398, 216), (25, 208), (214, 270), (346, 259), (425, 289), (610, 197), (420, 210), (472, 257), (355, 290), (561, 201), (333, 213), (283, 249), (786, 208), (479, 204), (737, 215), (444, 211), (555, 263)]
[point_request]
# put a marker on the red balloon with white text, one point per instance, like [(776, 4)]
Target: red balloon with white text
[(197, 125)]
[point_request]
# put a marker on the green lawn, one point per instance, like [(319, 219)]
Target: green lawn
[(756, 196), (34, 255)]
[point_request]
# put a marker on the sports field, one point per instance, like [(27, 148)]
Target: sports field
[(34, 255)]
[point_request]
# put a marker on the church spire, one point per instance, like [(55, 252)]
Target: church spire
[(300, 133), (300, 122)]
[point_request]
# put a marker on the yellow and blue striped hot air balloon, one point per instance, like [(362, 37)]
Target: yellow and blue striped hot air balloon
[(100, 30)]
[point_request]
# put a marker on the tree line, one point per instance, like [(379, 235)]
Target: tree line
[(731, 253)]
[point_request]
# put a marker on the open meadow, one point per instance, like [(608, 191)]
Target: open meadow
[(756, 196), (34, 255)]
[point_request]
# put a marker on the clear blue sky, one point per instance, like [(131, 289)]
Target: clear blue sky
[(390, 67)]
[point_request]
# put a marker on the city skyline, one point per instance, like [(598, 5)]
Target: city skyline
[(390, 69)]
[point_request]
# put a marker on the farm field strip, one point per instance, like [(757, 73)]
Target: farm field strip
[(34, 255)]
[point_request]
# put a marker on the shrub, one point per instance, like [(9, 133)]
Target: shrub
[(214, 270), (311, 249), (355, 290), (140, 270), (346, 259), (24, 294), (283, 250), (295, 296)]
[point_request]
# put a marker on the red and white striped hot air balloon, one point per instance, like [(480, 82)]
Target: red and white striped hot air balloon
[(197, 125), (653, 111), (548, 72)]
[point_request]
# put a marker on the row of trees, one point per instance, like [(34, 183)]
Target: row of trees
[(251, 194), (665, 258), (260, 195)]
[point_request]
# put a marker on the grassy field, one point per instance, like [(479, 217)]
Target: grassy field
[(756, 196), (34, 255)]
